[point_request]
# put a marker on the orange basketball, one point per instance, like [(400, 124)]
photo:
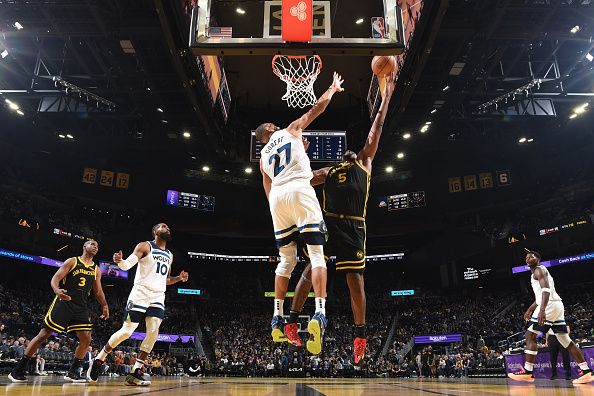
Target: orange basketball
[(383, 65)]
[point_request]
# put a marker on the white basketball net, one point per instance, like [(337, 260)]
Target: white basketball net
[(300, 74)]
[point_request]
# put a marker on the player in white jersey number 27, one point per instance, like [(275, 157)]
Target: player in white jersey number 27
[(296, 212), (550, 317), (146, 300)]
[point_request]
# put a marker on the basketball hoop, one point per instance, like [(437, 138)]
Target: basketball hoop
[(300, 74)]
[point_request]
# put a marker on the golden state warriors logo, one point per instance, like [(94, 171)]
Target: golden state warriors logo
[(360, 255)]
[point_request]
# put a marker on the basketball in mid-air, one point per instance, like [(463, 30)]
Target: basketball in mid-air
[(383, 66)]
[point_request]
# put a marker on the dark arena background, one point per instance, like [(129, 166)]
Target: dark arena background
[(117, 115)]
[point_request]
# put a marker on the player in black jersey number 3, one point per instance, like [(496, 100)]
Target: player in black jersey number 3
[(69, 311)]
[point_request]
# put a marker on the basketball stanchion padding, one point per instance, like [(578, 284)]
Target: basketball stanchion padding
[(297, 20), (300, 74)]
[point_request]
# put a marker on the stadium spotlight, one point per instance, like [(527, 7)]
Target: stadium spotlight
[(424, 128), (20, 112), (12, 105), (428, 123), (205, 168), (240, 11), (187, 135), (62, 136), (389, 169), (433, 111), (69, 136), (406, 136), (248, 170), (446, 88), (359, 21), (572, 116), (590, 57), (400, 155), (581, 109), (575, 29), (160, 110), (530, 140), (18, 25), (4, 54), (522, 140)]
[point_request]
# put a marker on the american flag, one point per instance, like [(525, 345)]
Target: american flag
[(220, 32)]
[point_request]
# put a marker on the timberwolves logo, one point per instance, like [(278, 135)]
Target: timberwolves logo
[(129, 305), (360, 255), (323, 228)]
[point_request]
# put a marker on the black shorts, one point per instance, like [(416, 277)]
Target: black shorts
[(67, 316), (346, 241)]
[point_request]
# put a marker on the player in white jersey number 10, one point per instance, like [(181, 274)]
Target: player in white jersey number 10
[(550, 317), (296, 212), (146, 300)]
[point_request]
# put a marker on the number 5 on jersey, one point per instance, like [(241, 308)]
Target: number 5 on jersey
[(278, 168)]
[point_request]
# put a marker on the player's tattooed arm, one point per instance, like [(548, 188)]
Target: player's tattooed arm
[(368, 151), (297, 126), (100, 296), (319, 176), (59, 275)]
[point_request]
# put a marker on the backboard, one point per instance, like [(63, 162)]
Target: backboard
[(255, 28)]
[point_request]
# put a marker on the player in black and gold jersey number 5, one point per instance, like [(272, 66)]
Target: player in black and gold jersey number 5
[(69, 311), (346, 190)]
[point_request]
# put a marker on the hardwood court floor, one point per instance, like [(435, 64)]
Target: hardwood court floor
[(294, 387)]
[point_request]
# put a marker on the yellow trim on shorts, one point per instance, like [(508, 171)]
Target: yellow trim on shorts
[(48, 317), (45, 322), (350, 267), (349, 262)]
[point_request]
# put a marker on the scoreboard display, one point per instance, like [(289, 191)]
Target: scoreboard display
[(189, 200), (405, 201), (324, 146)]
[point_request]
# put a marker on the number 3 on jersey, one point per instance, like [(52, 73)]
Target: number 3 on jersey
[(278, 168)]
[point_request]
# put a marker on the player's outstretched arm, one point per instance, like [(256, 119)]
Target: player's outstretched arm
[(297, 126), (141, 250), (319, 176), (59, 275), (182, 277), (100, 296), (368, 151)]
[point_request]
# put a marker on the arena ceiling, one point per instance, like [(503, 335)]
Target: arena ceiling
[(131, 54)]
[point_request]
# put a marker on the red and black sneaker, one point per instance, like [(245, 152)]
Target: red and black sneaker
[(584, 377), (292, 333), (359, 346), (522, 375)]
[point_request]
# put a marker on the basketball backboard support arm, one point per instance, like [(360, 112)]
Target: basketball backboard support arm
[(202, 44)]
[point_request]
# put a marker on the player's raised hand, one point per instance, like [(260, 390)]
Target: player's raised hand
[(389, 88), (183, 276), (117, 257), (305, 143), (61, 293), (104, 312), (337, 81)]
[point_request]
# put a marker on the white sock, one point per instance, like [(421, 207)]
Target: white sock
[(321, 305), (278, 307), (102, 355), (583, 366), (138, 365), (529, 366)]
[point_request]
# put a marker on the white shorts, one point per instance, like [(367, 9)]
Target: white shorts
[(143, 301), (554, 320), (296, 211)]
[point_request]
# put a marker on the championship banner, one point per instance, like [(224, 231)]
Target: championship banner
[(542, 364)]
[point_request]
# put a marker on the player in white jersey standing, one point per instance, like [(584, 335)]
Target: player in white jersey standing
[(146, 300), (295, 210), (550, 316)]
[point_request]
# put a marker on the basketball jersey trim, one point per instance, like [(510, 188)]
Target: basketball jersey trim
[(362, 167)]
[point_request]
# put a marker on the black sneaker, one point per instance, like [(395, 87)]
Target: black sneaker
[(94, 370), (136, 378), (75, 378), (17, 376)]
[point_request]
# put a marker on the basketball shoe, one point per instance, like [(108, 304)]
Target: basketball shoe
[(359, 346), (94, 370), (278, 329), (136, 378), (315, 328), (584, 377), (292, 334), (522, 375)]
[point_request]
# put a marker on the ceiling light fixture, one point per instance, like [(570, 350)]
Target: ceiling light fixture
[(240, 11), (406, 136), (400, 155), (428, 123), (433, 111), (530, 140), (19, 112), (573, 116), (69, 136), (205, 168), (446, 88), (389, 169), (522, 140), (62, 136), (18, 25), (187, 134), (4, 54), (575, 29), (590, 57), (424, 128), (359, 21), (248, 170), (160, 110)]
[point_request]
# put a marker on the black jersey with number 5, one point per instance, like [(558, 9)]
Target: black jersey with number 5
[(346, 190), (79, 281)]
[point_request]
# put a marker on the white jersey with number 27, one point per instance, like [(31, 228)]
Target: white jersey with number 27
[(284, 159)]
